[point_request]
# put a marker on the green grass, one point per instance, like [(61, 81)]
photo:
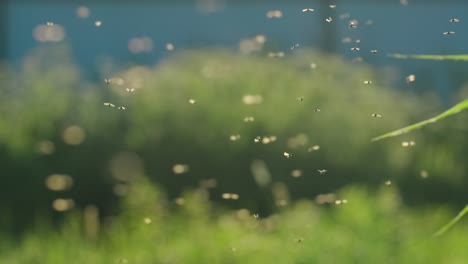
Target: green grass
[(452, 111), (452, 222), (462, 57), (373, 227)]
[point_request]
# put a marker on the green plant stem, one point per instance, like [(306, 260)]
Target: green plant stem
[(452, 222), (452, 111)]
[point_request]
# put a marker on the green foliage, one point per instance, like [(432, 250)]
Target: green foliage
[(160, 128), (34, 101), (130, 150), (370, 228)]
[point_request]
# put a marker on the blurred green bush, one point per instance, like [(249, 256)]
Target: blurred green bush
[(185, 110), (370, 228)]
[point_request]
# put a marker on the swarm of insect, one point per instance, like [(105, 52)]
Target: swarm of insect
[(109, 104), (338, 202), (249, 119), (170, 47), (234, 137), (346, 40), (274, 14), (408, 144), (294, 46), (353, 24), (230, 196), (276, 54), (410, 78), (313, 148)]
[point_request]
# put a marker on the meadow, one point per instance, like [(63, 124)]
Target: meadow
[(142, 175), (369, 228)]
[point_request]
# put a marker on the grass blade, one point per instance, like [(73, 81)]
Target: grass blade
[(452, 222), (462, 57), (452, 111)]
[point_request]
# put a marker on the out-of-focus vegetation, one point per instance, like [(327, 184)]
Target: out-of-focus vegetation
[(62, 148), (369, 228)]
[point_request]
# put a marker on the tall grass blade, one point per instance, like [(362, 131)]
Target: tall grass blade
[(452, 111), (452, 222), (462, 57)]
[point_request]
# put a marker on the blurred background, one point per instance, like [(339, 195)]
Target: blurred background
[(143, 127)]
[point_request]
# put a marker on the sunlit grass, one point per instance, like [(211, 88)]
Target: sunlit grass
[(452, 111), (462, 57), (452, 222), (372, 227)]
